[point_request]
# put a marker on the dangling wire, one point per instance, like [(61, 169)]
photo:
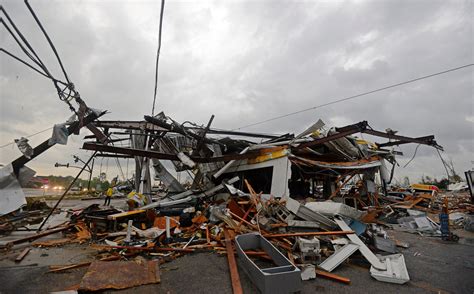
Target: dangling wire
[(158, 56), (100, 168), (413, 157), (107, 166), (444, 164), (127, 167)]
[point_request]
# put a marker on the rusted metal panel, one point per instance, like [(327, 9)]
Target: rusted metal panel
[(120, 275)]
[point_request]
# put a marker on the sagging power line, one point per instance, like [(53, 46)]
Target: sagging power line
[(356, 96)]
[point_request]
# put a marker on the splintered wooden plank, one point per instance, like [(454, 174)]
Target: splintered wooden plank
[(333, 277), (234, 273), (22, 254)]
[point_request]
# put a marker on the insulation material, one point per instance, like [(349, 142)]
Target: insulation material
[(329, 208), (11, 194)]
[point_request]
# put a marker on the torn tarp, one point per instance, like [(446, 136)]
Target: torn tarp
[(11, 194), (25, 174), (24, 147), (60, 135)]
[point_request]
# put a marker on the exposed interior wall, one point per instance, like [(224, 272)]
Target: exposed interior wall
[(279, 179)]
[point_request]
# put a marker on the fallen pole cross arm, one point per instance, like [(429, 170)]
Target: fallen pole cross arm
[(38, 150), (363, 127), (164, 156)]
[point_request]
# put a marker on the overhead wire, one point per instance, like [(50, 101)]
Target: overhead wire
[(38, 60), (20, 44), (158, 56), (70, 86), (145, 161), (29, 136), (29, 65), (356, 96), (49, 40), (63, 96)]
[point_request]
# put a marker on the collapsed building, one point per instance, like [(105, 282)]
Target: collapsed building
[(315, 163)]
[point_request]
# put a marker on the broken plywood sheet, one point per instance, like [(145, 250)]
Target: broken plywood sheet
[(396, 270), (120, 274), (369, 255), (338, 257), (309, 215)]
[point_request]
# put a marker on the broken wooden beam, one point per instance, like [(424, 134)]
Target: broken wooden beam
[(333, 277), (165, 156), (69, 267), (37, 236)]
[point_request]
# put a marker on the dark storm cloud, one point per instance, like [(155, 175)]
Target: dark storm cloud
[(247, 61)]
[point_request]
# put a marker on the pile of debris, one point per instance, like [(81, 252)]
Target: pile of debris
[(279, 242), (291, 207)]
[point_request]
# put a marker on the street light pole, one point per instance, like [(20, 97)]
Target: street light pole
[(86, 164), (90, 175), (66, 191)]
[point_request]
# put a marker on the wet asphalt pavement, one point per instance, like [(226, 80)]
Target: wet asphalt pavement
[(434, 266)]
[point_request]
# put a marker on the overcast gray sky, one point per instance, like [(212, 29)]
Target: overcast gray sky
[(246, 61)]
